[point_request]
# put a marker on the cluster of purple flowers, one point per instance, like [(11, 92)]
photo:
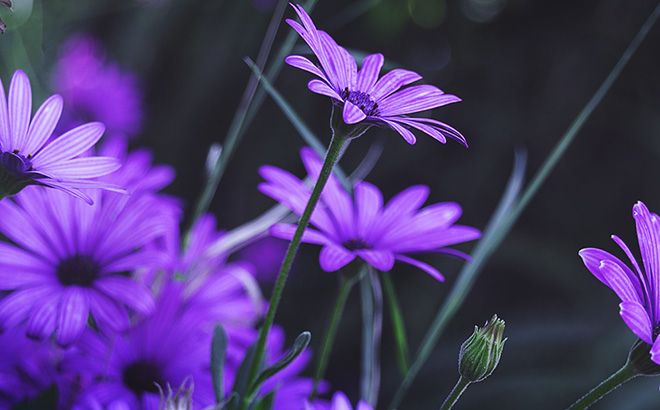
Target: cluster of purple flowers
[(104, 301)]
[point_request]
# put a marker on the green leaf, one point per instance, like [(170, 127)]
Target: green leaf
[(218, 351), (299, 346), (266, 403), (241, 383), (398, 325)]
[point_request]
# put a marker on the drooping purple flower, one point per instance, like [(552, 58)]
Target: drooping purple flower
[(97, 90), (637, 287), (27, 157), (361, 95), (69, 261), (361, 226)]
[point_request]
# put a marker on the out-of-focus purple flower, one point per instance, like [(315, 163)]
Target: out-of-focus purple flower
[(639, 287), (68, 260), (361, 226), (362, 96), (339, 402), (97, 90), (28, 158), (128, 370), (27, 367), (265, 255)]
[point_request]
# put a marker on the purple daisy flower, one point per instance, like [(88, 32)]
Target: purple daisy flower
[(27, 157), (97, 90), (364, 97), (361, 226), (639, 287), (68, 260)]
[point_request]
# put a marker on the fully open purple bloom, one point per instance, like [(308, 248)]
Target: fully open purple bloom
[(97, 90), (28, 158), (361, 226), (639, 287), (362, 95), (68, 260)]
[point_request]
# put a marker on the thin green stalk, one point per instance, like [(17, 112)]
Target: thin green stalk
[(455, 394), (398, 326), (345, 287), (238, 122), (621, 376), (332, 156), (463, 286)]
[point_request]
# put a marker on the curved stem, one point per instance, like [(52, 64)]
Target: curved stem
[(618, 378), (332, 156), (398, 327), (455, 394), (331, 332)]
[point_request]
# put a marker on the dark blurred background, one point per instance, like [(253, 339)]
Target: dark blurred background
[(523, 68)]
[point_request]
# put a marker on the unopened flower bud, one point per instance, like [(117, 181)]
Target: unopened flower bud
[(481, 352)]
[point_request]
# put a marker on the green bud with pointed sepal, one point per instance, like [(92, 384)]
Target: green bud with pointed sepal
[(481, 352)]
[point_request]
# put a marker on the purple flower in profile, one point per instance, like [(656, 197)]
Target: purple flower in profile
[(27, 157), (364, 97), (68, 260), (361, 226), (97, 90), (639, 287)]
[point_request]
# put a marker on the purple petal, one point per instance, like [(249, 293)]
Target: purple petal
[(379, 259), (69, 145), (423, 266), (5, 130), (20, 108), (15, 307), (363, 405), (649, 245), (392, 81), (88, 167), (127, 291), (655, 350), (368, 74), (43, 124), (592, 257), (73, 315), (340, 402), (106, 312), (285, 231), (403, 131), (334, 257), (368, 203), (637, 320), (618, 281), (41, 323), (320, 87), (426, 129), (414, 99), (352, 114), (303, 63), (446, 129)]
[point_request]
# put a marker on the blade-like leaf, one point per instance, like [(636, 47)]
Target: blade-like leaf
[(218, 351), (299, 346), (265, 403), (398, 326), (241, 383)]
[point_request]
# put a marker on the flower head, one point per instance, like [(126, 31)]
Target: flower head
[(362, 96), (481, 352), (361, 226), (67, 260), (637, 287), (97, 90), (27, 157)]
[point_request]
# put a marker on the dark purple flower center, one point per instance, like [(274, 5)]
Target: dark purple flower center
[(142, 377), (78, 270), (361, 100), (356, 245), (13, 172)]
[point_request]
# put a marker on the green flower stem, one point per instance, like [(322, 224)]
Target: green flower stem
[(621, 376), (332, 156), (329, 338), (455, 394), (398, 326)]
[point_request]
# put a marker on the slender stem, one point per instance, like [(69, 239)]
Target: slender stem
[(455, 394), (624, 374), (460, 291), (332, 156), (345, 287), (398, 326)]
